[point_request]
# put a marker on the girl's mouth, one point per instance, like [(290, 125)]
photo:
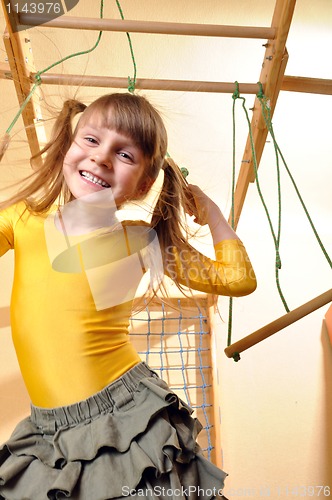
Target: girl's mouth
[(94, 179)]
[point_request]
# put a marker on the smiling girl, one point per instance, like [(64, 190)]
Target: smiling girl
[(102, 423)]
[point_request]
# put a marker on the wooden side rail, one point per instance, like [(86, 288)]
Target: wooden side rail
[(271, 77), (277, 325)]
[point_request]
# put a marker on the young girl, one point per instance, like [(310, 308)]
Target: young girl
[(102, 424)]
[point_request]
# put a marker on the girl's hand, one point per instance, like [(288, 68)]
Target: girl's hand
[(205, 211), (200, 206)]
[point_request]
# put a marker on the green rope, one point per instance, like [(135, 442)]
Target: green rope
[(275, 238), (236, 94), (260, 93), (184, 172), (131, 81), (267, 118), (266, 113), (76, 54), (39, 73), (23, 105)]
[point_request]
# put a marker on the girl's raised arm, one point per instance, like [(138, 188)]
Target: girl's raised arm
[(207, 212)]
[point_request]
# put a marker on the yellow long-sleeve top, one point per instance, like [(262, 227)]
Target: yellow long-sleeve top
[(67, 348)]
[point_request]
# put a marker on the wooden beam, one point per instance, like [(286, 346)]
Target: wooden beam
[(211, 312), (279, 324), (20, 59), (308, 85), (273, 68), (146, 84), (289, 83), (22, 86), (152, 27)]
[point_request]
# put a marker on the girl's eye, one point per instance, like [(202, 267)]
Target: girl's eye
[(125, 155), (92, 140)]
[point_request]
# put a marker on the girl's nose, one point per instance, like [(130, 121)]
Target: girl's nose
[(101, 160)]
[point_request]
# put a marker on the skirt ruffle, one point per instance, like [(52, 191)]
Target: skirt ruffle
[(147, 448)]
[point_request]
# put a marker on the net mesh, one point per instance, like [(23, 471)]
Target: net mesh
[(174, 340)]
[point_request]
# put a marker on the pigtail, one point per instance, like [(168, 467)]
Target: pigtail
[(175, 197), (62, 133), (172, 196), (51, 174), (44, 186), (168, 219)]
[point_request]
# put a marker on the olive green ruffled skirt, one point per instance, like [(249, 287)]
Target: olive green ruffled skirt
[(135, 438)]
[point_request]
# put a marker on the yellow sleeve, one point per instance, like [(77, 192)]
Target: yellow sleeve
[(230, 274)]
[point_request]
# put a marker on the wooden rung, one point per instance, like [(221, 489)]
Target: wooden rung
[(290, 83), (146, 84), (309, 85), (279, 324), (153, 27)]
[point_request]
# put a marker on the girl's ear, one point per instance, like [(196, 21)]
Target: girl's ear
[(145, 186)]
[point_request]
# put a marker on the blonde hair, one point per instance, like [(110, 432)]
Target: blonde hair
[(132, 115)]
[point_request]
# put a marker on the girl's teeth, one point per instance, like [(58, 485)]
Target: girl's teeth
[(94, 179)]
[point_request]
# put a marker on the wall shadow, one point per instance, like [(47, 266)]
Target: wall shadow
[(14, 403), (327, 366), (4, 317)]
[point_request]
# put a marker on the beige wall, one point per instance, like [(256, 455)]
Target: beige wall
[(14, 401), (276, 402)]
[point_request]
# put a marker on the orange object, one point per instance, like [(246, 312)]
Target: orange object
[(328, 319)]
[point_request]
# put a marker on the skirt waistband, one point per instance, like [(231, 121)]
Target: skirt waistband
[(119, 394)]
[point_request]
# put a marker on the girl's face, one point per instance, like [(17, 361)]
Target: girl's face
[(100, 158)]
